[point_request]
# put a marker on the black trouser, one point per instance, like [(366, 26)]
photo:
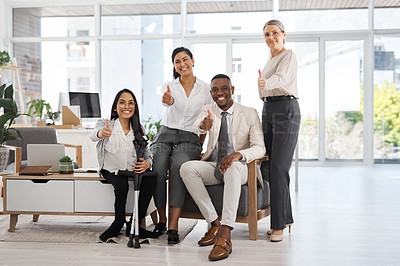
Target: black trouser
[(281, 123), (121, 187)]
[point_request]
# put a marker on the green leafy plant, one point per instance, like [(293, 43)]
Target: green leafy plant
[(52, 116), (64, 159), (37, 106), (10, 113), (152, 127), (4, 58)]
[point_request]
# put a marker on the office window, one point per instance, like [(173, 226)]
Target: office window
[(387, 99), (53, 21), (343, 100), (67, 67), (140, 19), (227, 22), (387, 18), (146, 65), (327, 20)]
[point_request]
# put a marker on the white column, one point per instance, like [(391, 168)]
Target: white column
[(321, 118), (369, 89), (275, 8), (183, 21)]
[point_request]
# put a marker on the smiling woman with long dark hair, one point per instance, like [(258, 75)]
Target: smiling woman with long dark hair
[(115, 151), (183, 99)]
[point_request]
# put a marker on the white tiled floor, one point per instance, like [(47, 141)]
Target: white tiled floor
[(343, 216)]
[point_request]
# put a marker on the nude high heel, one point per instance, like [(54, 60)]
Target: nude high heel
[(269, 232), (276, 238)]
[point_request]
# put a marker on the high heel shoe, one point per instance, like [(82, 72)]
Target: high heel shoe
[(276, 238), (269, 232)]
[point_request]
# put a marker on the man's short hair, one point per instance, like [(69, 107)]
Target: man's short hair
[(221, 76)]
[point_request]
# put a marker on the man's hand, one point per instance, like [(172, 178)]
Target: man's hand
[(228, 160), (207, 122), (141, 166), (261, 81), (106, 131), (167, 97)]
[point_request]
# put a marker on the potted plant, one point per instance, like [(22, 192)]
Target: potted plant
[(152, 127), (65, 165), (10, 113), (52, 116), (4, 58), (36, 108)]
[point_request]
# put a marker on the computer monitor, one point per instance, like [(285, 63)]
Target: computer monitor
[(89, 103)]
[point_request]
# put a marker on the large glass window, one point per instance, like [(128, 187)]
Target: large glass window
[(343, 102), (146, 65), (227, 22), (115, 23), (387, 18), (247, 59), (387, 98), (67, 66), (209, 60), (29, 58), (53, 21), (319, 20), (308, 87)]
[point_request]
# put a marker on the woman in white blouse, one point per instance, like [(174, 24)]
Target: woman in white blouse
[(183, 99), (116, 151), (277, 86)]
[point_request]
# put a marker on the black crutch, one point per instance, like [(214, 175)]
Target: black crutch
[(140, 144), (134, 233)]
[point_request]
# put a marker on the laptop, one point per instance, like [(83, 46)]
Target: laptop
[(45, 154)]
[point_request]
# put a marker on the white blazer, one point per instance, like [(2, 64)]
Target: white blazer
[(247, 135)]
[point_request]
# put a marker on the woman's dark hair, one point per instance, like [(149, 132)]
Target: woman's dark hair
[(177, 51), (135, 119)]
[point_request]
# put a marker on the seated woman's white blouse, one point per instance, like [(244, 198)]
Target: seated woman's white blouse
[(119, 153), (182, 114)]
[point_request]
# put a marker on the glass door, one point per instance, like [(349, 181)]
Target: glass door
[(344, 99)]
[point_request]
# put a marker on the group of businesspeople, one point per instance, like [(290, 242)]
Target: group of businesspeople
[(193, 109)]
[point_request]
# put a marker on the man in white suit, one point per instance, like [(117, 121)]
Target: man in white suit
[(235, 139)]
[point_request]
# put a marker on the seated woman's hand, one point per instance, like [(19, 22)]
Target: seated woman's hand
[(106, 131), (141, 166)]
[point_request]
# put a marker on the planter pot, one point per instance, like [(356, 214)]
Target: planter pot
[(65, 167), (40, 123), (4, 154)]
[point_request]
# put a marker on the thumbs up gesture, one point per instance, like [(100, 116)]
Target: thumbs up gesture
[(207, 122), (106, 131), (167, 97), (261, 81)]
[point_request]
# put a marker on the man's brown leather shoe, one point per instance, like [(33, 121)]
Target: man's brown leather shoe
[(210, 237), (221, 249)]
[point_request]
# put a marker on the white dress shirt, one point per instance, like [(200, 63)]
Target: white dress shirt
[(184, 111), (120, 153), (229, 148)]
